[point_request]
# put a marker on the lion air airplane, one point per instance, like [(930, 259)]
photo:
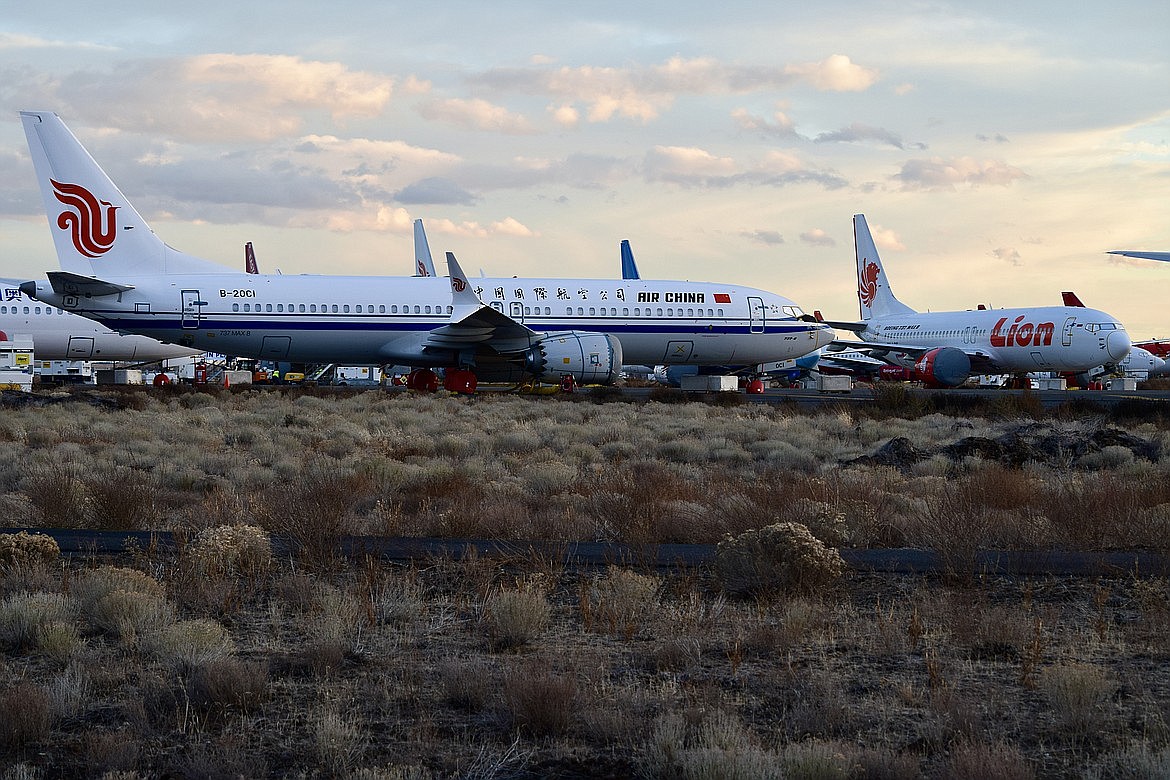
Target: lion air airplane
[(115, 270), (945, 348)]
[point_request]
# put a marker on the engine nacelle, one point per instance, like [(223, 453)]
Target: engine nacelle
[(943, 367), (894, 374), (590, 358)]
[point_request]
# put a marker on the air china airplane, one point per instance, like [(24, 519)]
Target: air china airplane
[(117, 271), (945, 348), (59, 335)]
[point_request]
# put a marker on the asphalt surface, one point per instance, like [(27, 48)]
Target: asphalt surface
[(75, 543)]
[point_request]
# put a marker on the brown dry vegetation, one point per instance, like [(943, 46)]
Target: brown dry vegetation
[(221, 662)]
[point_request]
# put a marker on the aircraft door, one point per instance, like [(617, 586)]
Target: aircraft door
[(1038, 357), (79, 348), (275, 347), (758, 314), (678, 351), (516, 311), (191, 311), (1066, 334)]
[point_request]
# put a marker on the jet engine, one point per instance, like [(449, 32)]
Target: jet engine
[(590, 358), (943, 367)]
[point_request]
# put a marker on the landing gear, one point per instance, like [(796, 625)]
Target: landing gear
[(422, 379), (460, 380)]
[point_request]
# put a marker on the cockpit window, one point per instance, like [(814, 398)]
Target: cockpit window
[(793, 311)]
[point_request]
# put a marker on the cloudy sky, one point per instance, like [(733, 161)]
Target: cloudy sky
[(998, 149)]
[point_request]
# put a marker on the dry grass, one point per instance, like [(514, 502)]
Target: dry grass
[(223, 661)]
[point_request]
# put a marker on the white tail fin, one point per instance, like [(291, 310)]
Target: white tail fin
[(95, 229), (873, 286), (423, 264)]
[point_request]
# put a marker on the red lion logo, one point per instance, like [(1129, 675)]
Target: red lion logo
[(868, 283), (458, 284), (92, 228)]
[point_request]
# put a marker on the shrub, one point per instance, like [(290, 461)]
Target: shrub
[(22, 550), (190, 643), (514, 617), (539, 700), (718, 746), (339, 741), (620, 602), (25, 617), (780, 557), (228, 682), (974, 761), (231, 550), (1078, 693), (26, 715), (122, 602)]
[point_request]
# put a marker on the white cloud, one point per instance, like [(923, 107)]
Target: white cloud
[(885, 238), (817, 237), (476, 114), (220, 97), (946, 173), (836, 74)]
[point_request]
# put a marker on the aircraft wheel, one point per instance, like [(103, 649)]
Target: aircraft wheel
[(460, 380)]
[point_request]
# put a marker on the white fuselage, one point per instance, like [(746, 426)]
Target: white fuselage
[(1048, 338), (365, 320), (59, 335)]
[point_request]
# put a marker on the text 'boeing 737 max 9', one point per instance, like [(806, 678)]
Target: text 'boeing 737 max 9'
[(944, 348), (115, 270)]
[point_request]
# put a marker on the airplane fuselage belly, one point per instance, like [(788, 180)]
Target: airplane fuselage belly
[(379, 319), (1055, 338)]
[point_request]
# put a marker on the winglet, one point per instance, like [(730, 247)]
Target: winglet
[(423, 264), (629, 268), (463, 296)]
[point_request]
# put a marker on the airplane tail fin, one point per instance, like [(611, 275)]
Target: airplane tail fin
[(423, 264), (1071, 299), (95, 229), (629, 268), (250, 264), (873, 287)]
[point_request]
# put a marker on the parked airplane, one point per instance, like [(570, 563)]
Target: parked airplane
[(1140, 363), (117, 271), (59, 335), (945, 348)]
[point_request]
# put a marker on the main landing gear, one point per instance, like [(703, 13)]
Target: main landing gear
[(456, 380)]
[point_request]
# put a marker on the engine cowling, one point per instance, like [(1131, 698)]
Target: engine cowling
[(590, 358), (943, 367)]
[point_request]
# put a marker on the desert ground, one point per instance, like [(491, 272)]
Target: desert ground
[(219, 659)]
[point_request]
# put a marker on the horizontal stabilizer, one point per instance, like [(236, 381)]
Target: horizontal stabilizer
[(66, 283)]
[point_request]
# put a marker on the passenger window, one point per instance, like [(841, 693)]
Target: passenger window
[(268, 307), (235, 307), (313, 308), (381, 308), (301, 307), (418, 310), (345, 308)]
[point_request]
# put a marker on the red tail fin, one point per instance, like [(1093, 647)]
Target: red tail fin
[(1071, 299), (250, 259)]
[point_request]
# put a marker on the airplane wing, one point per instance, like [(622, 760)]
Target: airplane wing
[(473, 323), (981, 362), (65, 283), (1163, 256)]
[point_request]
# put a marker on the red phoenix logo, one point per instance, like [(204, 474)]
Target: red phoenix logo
[(868, 283), (458, 284), (92, 227)]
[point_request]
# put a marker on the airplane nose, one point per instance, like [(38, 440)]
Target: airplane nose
[(1118, 344), (824, 336)]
